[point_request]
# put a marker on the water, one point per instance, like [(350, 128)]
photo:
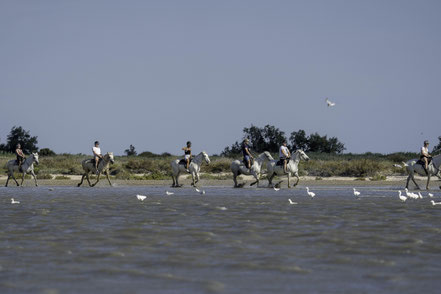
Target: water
[(104, 240)]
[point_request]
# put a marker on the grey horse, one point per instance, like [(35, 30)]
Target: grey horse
[(27, 167), (292, 167), (103, 167), (413, 167), (194, 168), (238, 168)]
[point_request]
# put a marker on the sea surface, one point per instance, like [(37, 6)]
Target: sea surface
[(251, 240)]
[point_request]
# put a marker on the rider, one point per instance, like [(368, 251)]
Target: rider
[(247, 156), (425, 156), (20, 156), (284, 155), (187, 155), (97, 154)]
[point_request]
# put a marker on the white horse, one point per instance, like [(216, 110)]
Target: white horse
[(103, 167), (238, 168), (194, 168), (413, 167), (27, 167), (292, 167)]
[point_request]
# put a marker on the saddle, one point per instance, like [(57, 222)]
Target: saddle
[(183, 162), (420, 161), (280, 162)]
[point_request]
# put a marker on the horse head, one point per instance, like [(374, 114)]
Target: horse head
[(206, 158), (110, 157), (302, 155), (35, 155), (268, 155)]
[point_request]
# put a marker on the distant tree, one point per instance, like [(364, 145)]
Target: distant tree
[(148, 154), (268, 138), (437, 147), (46, 152), (131, 151), (19, 135), (299, 140)]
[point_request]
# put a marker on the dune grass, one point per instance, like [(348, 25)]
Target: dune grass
[(369, 165)]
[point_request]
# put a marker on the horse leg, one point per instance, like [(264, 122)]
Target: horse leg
[(97, 180), (298, 179), (193, 179), (416, 184), (22, 178), (270, 179), (35, 178), (288, 180), (82, 178), (88, 179), (428, 181), (108, 178), (235, 180), (7, 180), (256, 181)]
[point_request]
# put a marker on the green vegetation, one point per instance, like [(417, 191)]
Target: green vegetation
[(157, 167)]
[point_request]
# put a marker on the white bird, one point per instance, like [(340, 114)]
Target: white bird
[(356, 193), (405, 164), (291, 202), (411, 195), (202, 192), (276, 189), (312, 194), (169, 193), (402, 197), (141, 197), (420, 196), (330, 104), (430, 195), (14, 201), (397, 165), (435, 203)]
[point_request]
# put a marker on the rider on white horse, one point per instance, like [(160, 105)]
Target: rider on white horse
[(96, 150), (20, 156), (247, 156), (284, 155), (425, 156), (187, 155)]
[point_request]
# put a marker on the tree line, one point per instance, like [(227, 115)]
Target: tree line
[(269, 138)]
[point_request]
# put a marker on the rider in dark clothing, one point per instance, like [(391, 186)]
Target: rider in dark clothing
[(20, 156), (246, 154)]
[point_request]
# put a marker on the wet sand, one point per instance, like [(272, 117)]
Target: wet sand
[(398, 182)]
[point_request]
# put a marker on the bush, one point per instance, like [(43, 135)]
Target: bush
[(62, 178), (44, 177), (46, 152)]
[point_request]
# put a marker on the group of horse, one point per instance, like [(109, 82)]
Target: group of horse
[(237, 168)]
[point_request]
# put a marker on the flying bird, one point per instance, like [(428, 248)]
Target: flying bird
[(330, 104), (430, 195), (141, 197), (398, 166), (356, 193), (419, 195), (14, 201), (169, 193), (291, 202), (312, 194), (276, 189)]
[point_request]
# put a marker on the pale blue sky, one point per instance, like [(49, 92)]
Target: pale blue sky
[(158, 73)]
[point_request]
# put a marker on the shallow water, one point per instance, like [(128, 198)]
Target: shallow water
[(104, 240)]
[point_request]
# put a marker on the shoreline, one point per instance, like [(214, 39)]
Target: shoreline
[(398, 181)]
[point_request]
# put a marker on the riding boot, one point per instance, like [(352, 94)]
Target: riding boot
[(425, 169)]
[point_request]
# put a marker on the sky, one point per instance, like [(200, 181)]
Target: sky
[(156, 74)]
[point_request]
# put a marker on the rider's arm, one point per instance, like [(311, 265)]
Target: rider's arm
[(248, 152)]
